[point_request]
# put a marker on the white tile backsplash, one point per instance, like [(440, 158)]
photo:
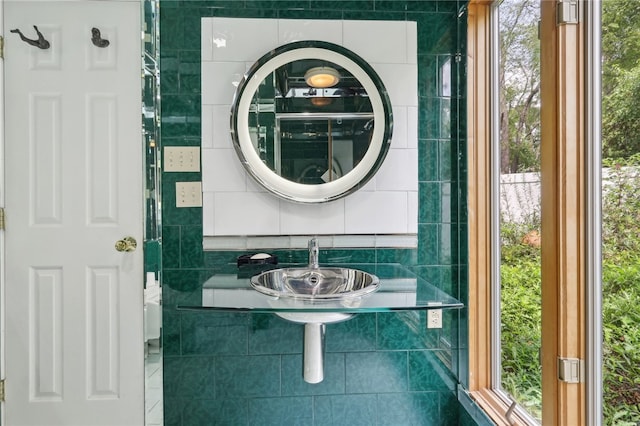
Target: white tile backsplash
[(253, 186), (412, 127), (208, 205), (220, 80), (386, 212), (412, 212), (235, 205), (270, 242), (235, 39), (244, 213), (326, 218), (208, 121), (290, 30), (221, 134), (399, 172), (222, 171), (412, 42), (400, 81), (399, 138), (206, 39)]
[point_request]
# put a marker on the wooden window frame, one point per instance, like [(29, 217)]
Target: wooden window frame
[(564, 221)]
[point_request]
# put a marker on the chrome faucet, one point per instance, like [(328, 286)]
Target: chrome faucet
[(313, 253)]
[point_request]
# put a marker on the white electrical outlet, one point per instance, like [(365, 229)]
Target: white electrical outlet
[(181, 159), (188, 194), (434, 318)]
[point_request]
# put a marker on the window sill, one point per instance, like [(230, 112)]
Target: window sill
[(496, 408)]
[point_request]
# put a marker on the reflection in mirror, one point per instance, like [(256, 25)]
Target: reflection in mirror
[(311, 121)]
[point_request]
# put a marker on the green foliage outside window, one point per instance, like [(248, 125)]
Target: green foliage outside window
[(520, 263), (520, 280)]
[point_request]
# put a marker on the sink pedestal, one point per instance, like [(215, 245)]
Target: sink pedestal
[(313, 355), (314, 329), (315, 287)]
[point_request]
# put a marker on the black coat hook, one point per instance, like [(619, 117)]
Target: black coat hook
[(97, 39), (40, 43)]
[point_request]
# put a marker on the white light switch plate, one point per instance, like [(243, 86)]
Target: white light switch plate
[(188, 194), (181, 159)]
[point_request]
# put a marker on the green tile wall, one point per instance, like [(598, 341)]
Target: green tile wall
[(245, 369)]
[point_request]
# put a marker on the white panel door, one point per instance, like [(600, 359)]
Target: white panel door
[(74, 186)]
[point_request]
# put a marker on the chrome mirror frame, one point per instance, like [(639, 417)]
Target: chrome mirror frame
[(380, 140)]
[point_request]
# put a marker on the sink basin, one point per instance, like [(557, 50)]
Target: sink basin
[(319, 283)]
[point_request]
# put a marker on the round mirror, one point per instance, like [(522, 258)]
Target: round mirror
[(311, 121)]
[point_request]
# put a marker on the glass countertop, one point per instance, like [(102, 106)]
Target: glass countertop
[(399, 289)]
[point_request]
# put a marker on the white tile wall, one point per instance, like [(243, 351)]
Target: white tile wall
[(221, 117), (412, 127), (234, 205), (412, 212), (326, 218), (383, 211), (224, 172), (235, 40), (400, 123), (246, 213), (208, 206), (399, 171), (299, 29), (219, 81), (400, 81), (207, 126)]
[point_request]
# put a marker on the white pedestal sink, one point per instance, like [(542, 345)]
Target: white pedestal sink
[(309, 288), (314, 329)]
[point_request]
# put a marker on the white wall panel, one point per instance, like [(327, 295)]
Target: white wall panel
[(386, 212), (400, 81), (326, 218), (234, 204), (399, 172), (248, 213), (290, 30), (223, 172), (239, 42), (221, 126), (219, 81)]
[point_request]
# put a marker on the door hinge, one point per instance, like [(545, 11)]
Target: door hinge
[(2, 219), (1, 47), (567, 12), (2, 390), (571, 370)]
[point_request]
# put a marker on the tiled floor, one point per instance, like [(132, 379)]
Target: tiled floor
[(153, 389)]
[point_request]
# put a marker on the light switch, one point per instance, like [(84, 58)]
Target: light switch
[(188, 194), (181, 159)]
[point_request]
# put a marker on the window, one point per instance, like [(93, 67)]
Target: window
[(516, 149), (569, 224)]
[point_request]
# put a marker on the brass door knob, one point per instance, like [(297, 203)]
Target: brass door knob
[(126, 244)]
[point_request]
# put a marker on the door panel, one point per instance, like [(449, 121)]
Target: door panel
[(73, 311)]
